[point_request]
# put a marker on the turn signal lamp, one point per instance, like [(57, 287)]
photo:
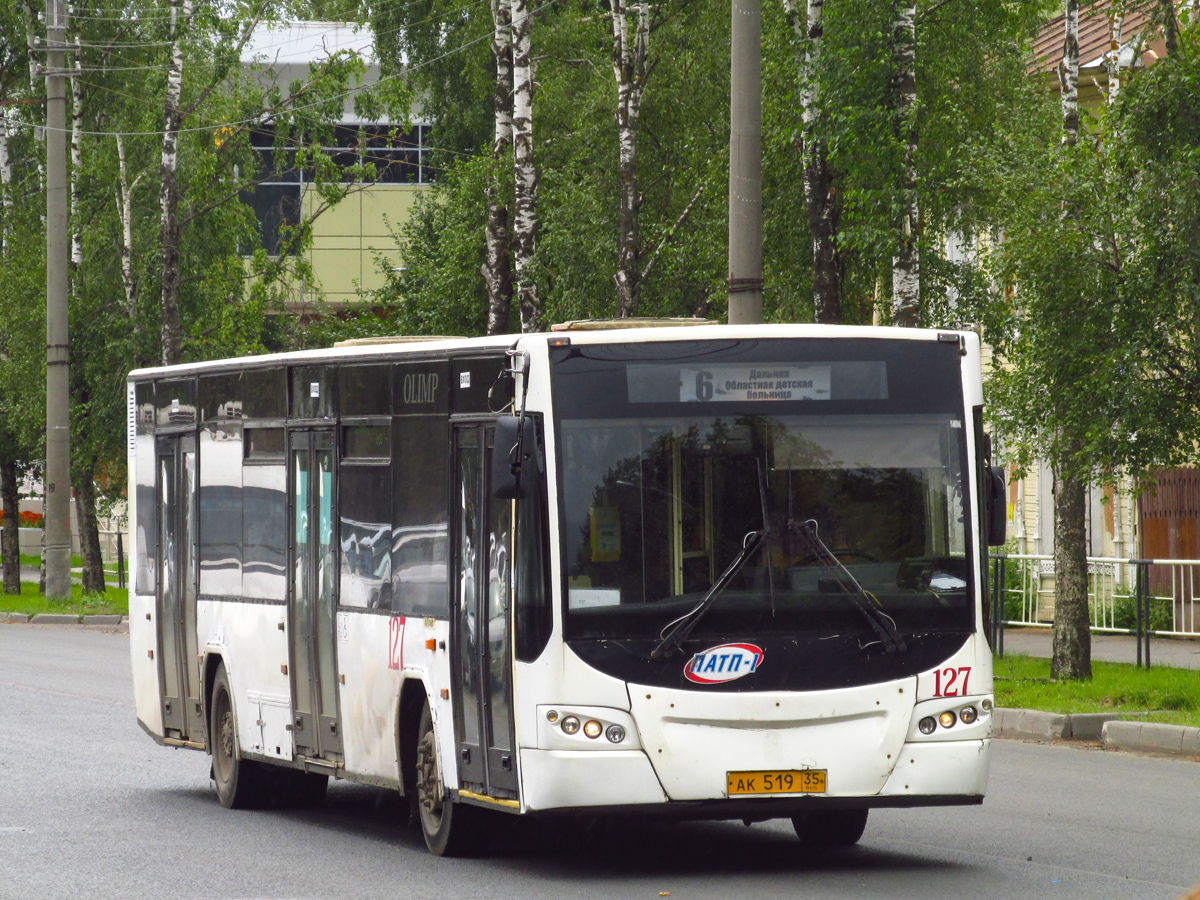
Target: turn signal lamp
[(552, 715), (947, 719), (593, 729), (986, 704), (570, 725), (968, 715), (927, 725)]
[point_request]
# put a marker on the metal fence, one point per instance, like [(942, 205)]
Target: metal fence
[(1125, 596)]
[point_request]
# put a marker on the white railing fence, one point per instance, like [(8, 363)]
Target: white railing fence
[(1168, 590)]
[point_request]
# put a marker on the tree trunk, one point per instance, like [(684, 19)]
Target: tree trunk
[(906, 265), (1112, 62), (125, 209), (169, 229), (89, 534), (1068, 73), (525, 219), (629, 70), (6, 203), (11, 552), (819, 195), (1072, 657), (1170, 32), (497, 266)]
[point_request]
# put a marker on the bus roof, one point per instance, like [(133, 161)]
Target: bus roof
[(385, 348)]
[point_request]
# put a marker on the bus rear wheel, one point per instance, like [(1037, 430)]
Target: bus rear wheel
[(832, 828), (239, 781), (450, 829)]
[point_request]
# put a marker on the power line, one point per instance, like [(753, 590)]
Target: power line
[(352, 92)]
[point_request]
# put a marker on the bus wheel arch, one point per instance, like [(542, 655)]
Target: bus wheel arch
[(414, 697)]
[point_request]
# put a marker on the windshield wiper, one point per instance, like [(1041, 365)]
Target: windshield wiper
[(881, 623), (682, 627)]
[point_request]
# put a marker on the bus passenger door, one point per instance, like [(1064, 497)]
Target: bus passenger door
[(482, 634), (312, 596), (178, 668)]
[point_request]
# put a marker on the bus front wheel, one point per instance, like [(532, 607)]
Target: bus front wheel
[(450, 829), (832, 828), (239, 781)]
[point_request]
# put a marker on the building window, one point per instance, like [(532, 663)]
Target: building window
[(398, 157)]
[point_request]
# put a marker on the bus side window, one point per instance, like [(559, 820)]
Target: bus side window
[(533, 616), (420, 512)]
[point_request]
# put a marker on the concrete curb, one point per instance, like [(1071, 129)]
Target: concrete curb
[(1152, 736), (118, 623), (1113, 732)]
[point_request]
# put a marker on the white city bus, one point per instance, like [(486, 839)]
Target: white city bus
[(723, 572)]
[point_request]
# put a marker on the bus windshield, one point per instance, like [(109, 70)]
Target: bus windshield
[(854, 478)]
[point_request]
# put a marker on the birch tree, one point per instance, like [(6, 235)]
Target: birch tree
[(497, 265), (178, 12), (22, 285), (1072, 637), (631, 47), (819, 193), (524, 170), (906, 265)]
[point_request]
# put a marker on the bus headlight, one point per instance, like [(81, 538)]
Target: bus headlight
[(593, 729), (947, 720), (615, 733), (927, 725), (968, 715), (570, 725)]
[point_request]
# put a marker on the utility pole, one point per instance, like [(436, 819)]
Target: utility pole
[(745, 163), (58, 427)]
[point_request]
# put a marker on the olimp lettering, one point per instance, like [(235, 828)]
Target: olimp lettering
[(420, 388)]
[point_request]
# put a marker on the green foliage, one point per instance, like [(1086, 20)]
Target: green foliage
[(1095, 322), (683, 139)]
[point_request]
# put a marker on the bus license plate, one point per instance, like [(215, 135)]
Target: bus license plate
[(793, 781)]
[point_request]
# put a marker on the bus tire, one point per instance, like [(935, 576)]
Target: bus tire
[(239, 781), (832, 828), (450, 829)]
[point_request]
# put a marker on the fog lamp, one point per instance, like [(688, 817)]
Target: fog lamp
[(593, 729), (927, 725), (615, 733), (968, 714), (947, 719), (570, 725)]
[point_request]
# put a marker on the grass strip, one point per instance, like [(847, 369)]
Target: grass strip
[(114, 601), (1164, 693)]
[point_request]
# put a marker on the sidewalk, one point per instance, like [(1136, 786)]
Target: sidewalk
[(1179, 653)]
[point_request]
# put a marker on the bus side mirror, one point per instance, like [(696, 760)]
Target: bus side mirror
[(997, 507), (507, 462)]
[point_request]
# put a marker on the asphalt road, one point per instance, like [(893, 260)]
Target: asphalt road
[(91, 807)]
